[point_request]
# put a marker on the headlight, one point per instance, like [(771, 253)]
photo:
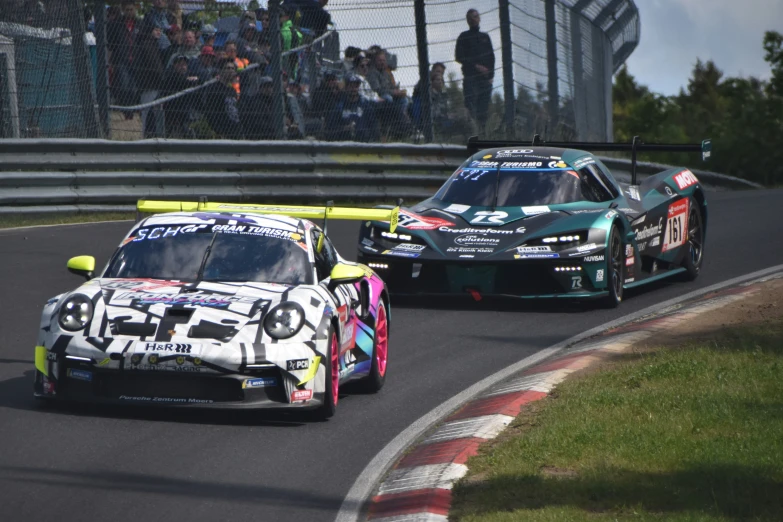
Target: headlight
[(284, 320), (75, 313)]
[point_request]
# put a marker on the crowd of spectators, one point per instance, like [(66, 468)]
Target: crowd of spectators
[(165, 52)]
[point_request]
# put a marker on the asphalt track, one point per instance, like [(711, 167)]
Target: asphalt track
[(95, 463)]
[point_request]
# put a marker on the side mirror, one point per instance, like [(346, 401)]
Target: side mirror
[(82, 265), (345, 275)]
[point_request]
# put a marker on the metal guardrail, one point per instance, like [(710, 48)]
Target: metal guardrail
[(60, 176)]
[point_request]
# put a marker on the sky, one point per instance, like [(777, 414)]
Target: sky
[(674, 33)]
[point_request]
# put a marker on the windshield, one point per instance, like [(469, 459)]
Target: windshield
[(255, 254), (515, 187)]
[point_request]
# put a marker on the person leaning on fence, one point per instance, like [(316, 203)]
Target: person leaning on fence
[(179, 110), (354, 117), (121, 36), (475, 52), (220, 102), (148, 72)]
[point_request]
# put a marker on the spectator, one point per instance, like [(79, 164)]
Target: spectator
[(437, 68), (255, 108), (203, 67), (325, 97), (361, 67), (220, 102), (349, 59), (208, 35), (240, 63), (475, 52), (262, 16), (394, 112), (148, 72), (444, 119), (121, 36), (188, 49), (175, 41), (174, 13), (178, 110), (247, 44), (159, 17), (314, 17), (291, 38), (353, 118), (296, 106)]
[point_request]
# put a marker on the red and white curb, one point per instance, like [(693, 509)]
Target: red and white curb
[(418, 487)]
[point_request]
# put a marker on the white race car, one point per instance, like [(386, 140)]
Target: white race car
[(218, 305)]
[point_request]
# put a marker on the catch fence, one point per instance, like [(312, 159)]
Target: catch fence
[(213, 70)]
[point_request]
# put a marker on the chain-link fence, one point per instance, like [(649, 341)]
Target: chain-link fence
[(297, 69)]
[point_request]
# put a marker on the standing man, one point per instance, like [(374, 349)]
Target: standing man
[(474, 51)]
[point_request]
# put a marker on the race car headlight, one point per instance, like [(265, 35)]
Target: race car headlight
[(284, 320), (75, 313)]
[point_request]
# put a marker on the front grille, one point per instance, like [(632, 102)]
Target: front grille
[(168, 385)]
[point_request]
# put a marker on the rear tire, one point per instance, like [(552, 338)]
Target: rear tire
[(694, 256), (615, 265), (331, 378), (380, 353)]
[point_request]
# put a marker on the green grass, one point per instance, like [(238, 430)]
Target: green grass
[(693, 433), (7, 221)]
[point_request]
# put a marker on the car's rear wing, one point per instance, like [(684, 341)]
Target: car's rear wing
[(705, 147), (326, 212)]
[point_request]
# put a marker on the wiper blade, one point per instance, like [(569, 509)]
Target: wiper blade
[(208, 251)]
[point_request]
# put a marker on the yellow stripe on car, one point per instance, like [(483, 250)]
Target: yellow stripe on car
[(40, 360), (311, 372)]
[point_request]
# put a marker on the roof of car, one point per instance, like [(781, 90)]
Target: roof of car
[(525, 151), (184, 218)]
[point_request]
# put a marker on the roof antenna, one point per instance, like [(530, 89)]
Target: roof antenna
[(636, 141), (536, 139)]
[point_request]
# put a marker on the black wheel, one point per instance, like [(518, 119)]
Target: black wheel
[(615, 264), (380, 352), (331, 378), (695, 251)]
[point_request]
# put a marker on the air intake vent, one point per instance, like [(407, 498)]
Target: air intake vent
[(133, 329), (208, 330)]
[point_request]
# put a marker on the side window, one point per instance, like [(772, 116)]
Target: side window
[(593, 188), (601, 172), (326, 258)]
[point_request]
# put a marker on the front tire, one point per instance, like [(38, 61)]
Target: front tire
[(380, 352), (694, 256), (331, 378), (615, 264)]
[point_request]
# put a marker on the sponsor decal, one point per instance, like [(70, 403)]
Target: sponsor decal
[(599, 275), (587, 211), (195, 299), (641, 247), (301, 395), (676, 225), (655, 241), (467, 255), (649, 231), (629, 279), (476, 240), (51, 356), (172, 231), (489, 216), (139, 284), (80, 375), (583, 161), (629, 255), (513, 152), (639, 220), (400, 253), (654, 267), (178, 400), (576, 282), (456, 208), (557, 165), (627, 210), (587, 247), (535, 210), (533, 249), (669, 192), (685, 179), (471, 250), (482, 231), (416, 222), (48, 386), (536, 256), (633, 193), (593, 259), (521, 164), (487, 156), (293, 365), (411, 247), (483, 164), (629, 261), (261, 382), (166, 348), (610, 214), (163, 368), (367, 242)]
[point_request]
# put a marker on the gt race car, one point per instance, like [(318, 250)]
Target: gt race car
[(218, 305), (544, 221)]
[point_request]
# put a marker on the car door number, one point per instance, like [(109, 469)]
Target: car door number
[(676, 225), (489, 216)]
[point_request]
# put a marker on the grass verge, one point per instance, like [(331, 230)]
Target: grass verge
[(686, 433), (57, 219)]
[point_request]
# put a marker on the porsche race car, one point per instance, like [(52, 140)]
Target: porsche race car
[(218, 305), (543, 221)]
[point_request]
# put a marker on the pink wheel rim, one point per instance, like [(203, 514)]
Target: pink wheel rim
[(335, 364), (381, 340)]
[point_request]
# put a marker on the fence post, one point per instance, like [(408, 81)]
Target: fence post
[(424, 68), (508, 72), (276, 69), (551, 60), (82, 68), (102, 81)]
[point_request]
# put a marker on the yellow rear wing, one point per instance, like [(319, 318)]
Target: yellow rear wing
[(307, 212)]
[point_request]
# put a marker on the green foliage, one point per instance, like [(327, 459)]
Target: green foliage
[(743, 116)]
